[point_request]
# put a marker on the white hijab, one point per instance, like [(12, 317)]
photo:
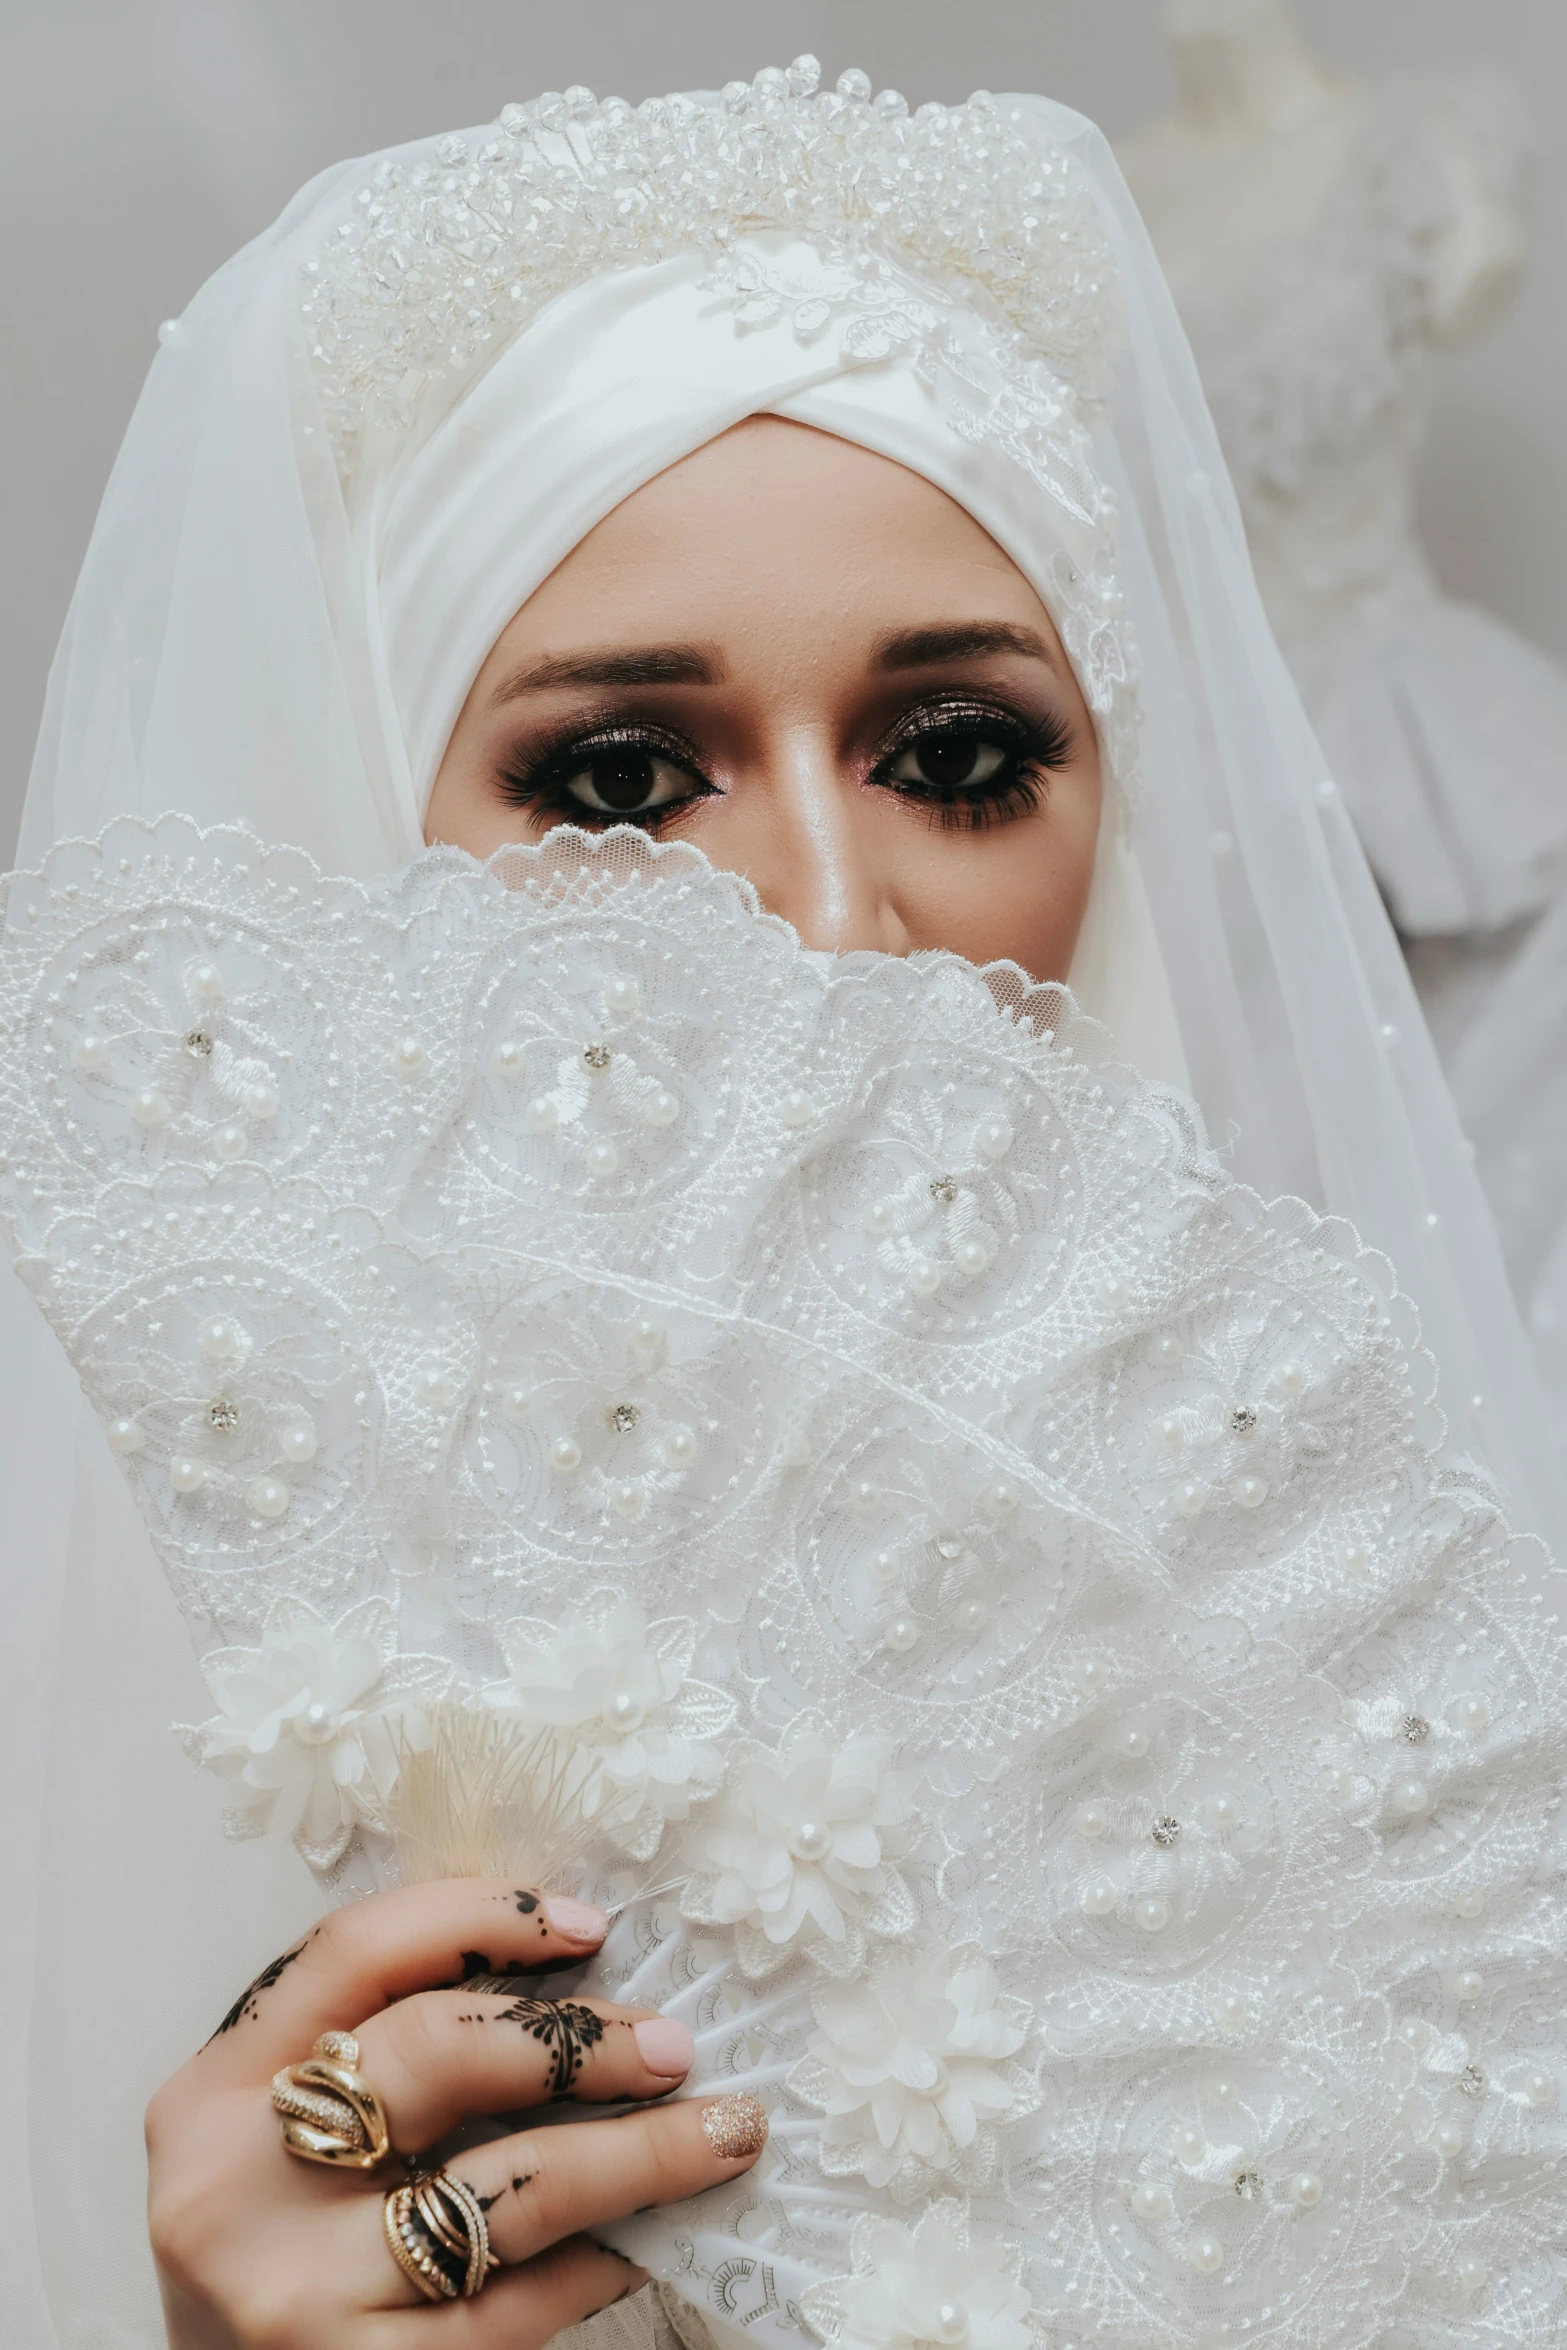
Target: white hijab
[(264, 632)]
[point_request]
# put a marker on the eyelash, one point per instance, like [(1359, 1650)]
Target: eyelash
[(1036, 748)]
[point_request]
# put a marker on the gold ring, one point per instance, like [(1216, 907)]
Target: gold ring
[(328, 2110), (437, 2233)]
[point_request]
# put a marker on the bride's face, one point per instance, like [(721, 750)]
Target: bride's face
[(812, 664)]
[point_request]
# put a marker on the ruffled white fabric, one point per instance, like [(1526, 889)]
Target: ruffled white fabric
[(1137, 1751)]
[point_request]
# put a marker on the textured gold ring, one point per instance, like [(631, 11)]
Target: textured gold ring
[(327, 2109), (437, 2233)]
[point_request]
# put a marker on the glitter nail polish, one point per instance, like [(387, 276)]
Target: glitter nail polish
[(736, 2127)]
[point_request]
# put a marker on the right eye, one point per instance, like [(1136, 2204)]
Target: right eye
[(624, 781)]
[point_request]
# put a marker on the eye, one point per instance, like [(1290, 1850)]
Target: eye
[(623, 780), (957, 758)]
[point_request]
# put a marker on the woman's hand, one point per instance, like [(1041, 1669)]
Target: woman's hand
[(258, 2250)]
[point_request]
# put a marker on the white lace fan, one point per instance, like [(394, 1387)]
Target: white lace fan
[(976, 1589)]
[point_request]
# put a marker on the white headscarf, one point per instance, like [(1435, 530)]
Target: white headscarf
[(316, 529)]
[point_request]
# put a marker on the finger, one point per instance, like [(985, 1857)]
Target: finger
[(521, 2309), (360, 1958), (433, 2058), (541, 2186)]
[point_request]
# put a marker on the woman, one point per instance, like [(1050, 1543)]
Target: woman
[(737, 470)]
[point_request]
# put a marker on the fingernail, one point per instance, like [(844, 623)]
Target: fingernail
[(664, 2046), (578, 1921), (736, 2127)]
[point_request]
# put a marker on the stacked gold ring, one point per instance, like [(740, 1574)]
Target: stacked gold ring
[(437, 2233), (328, 2110)]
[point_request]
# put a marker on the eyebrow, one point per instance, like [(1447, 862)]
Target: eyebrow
[(648, 665), (963, 640)]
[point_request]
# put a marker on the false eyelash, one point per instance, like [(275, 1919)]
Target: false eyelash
[(542, 785), (1038, 747)]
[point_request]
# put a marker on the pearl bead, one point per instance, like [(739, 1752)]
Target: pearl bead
[(126, 1436), (950, 2325), (1168, 1349), (924, 1277), (1093, 1819), (151, 1108), (624, 1713), (1470, 1903), (517, 1402), (205, 982), (662, 1110), (1415, 2033), (1089, 1675), (1206, 2254), (1132, 1742), (644, 1337), (507, 1059), (315, 1726), (1290, 1379), (565, 1454), (261, 1101), (901, 1635), (1540, 2089), (797, 1108), (268, 1496), (679, 1448), (602, 1157), (90, 1052), (1189, 2145), (1223, 2092), (1356, 1558), (993, 1139), (1468, 1985), (436, 1386), (1473, 1712), (1306, 2189), (297, 1442), (1100, 1898), (542, 1115), (410, 1056), (886, 1566), (1251, 1492), (1448, 2139), (1150, 2202), (973, 1615), (1191, 1499), (864, 1496), (1473, 2273), (1114, 1290), (186, 1475), (1231, 2013), (1224, 1812), (622, 996), (1172, 1435), (879, 1219), (627, 1501), (231, 1141), (1411, 1796), (220, 1339), (810, 1840), (971, 1256), (1152, 1913), (1001, 1499)]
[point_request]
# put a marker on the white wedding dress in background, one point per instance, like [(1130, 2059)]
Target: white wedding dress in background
[(1319, 269)]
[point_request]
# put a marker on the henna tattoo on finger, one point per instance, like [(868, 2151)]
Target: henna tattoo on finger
[(563, 2027), (248, 2005), (487, 2203)]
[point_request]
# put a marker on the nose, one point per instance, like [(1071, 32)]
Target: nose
[(820, 864)]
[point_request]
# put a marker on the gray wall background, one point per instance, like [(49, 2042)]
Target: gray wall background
[(141, 141)]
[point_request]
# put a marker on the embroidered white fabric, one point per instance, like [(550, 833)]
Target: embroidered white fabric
[(1045, 1708)]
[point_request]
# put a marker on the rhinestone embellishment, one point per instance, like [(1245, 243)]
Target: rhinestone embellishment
[(623, 1417), (596, 1056), (1165, 1831), (1248, 2185), (222, 1415), (1470, 2082), (198, 1043), (1243, 1419), (944, 1189), (1414, 1729)]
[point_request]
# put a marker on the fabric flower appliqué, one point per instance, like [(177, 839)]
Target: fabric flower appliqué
[(910, 2068), (933, 2283), (800, 1855), (634, 1729), (308, 1723)]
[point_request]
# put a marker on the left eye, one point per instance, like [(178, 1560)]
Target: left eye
[(626, 782), (949, 762)]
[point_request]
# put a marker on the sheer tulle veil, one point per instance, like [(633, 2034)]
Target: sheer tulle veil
[(238, 649)]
